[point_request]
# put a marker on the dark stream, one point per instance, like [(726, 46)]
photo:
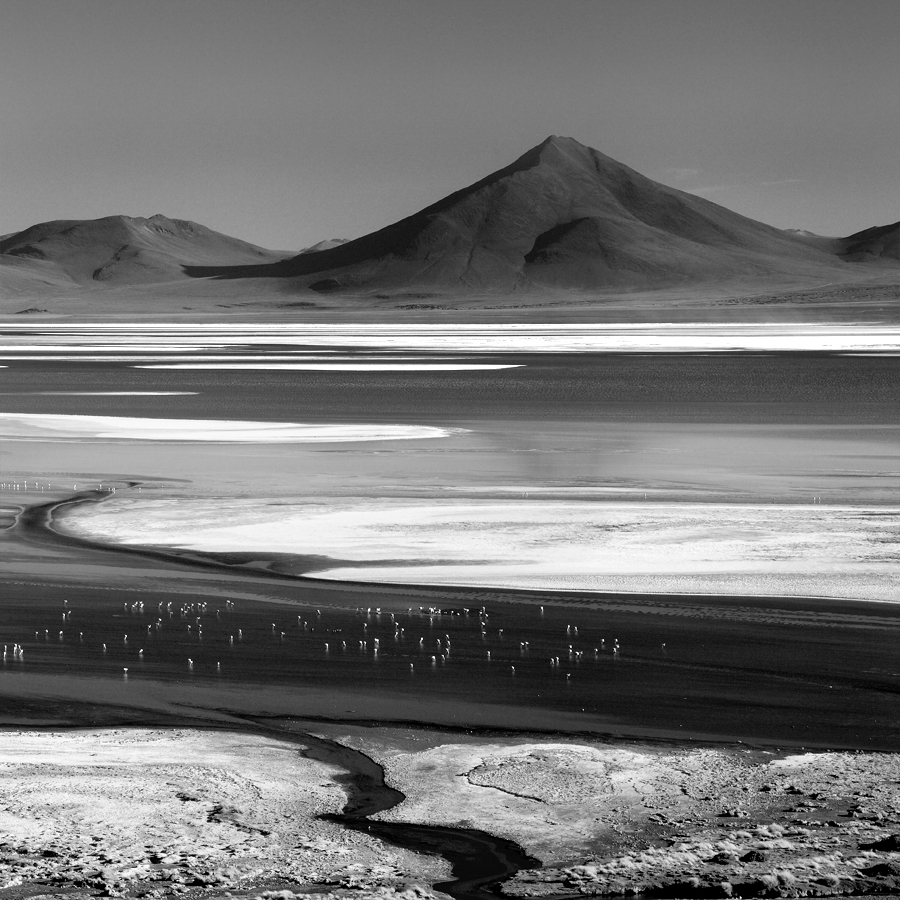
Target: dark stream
[(478, 859)]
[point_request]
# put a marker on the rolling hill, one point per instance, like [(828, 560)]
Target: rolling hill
[(122, 250)]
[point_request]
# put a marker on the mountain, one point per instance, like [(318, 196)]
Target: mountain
[(120, 250), (882, 242), (329, 244), (561, 215)]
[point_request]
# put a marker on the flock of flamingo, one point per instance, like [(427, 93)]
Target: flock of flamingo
[(371, 634)]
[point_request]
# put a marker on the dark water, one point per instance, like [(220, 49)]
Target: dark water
[(813, 672), (478, 859), (659, 386)]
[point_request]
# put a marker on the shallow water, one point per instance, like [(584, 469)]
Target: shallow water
[(769, 670), (690, 427)]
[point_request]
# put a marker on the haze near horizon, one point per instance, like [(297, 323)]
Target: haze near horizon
[(285, 123)]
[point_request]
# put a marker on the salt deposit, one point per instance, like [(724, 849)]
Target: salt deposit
[(65, 427), (802, 550)]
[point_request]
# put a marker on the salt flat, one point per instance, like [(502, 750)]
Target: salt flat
[(510, 337), (797, 550)]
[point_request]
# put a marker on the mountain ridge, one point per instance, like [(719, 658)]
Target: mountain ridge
[(562, 216)]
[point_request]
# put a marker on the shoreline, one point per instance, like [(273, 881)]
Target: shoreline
[(264, 564)]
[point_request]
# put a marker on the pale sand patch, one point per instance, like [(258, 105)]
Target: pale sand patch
[(603, 817), (166, 809), (46, 426), (802, 550)]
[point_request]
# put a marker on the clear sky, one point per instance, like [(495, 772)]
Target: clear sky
[(284, 122)]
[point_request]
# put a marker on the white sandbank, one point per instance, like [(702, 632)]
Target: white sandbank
[(482, 338), (816, 550), (338, 367), (40, 426)]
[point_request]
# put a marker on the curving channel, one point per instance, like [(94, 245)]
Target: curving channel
[(478, 859)]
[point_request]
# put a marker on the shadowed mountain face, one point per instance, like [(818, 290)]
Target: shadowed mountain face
[(124, 250), (562, 214), (873, 243)]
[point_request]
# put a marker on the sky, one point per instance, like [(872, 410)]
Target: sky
[(286, 122)]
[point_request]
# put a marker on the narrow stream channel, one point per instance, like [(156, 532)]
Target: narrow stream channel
[(478, 859)]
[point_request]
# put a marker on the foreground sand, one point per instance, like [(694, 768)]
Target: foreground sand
[(682, 821), (154, 813)]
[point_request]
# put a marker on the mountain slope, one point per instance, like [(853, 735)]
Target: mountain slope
[(562, 214), (881, 242), (122, 250)]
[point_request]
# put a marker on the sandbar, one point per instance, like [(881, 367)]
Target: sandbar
[(39, 426)]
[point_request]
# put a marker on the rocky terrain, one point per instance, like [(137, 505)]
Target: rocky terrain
[(636, 819), (182, 813)]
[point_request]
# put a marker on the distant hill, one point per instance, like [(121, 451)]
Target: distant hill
[(120, 250), (564, 215), (325, 245)]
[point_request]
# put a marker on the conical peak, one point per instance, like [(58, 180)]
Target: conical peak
[(558, 149), (557, 140)]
